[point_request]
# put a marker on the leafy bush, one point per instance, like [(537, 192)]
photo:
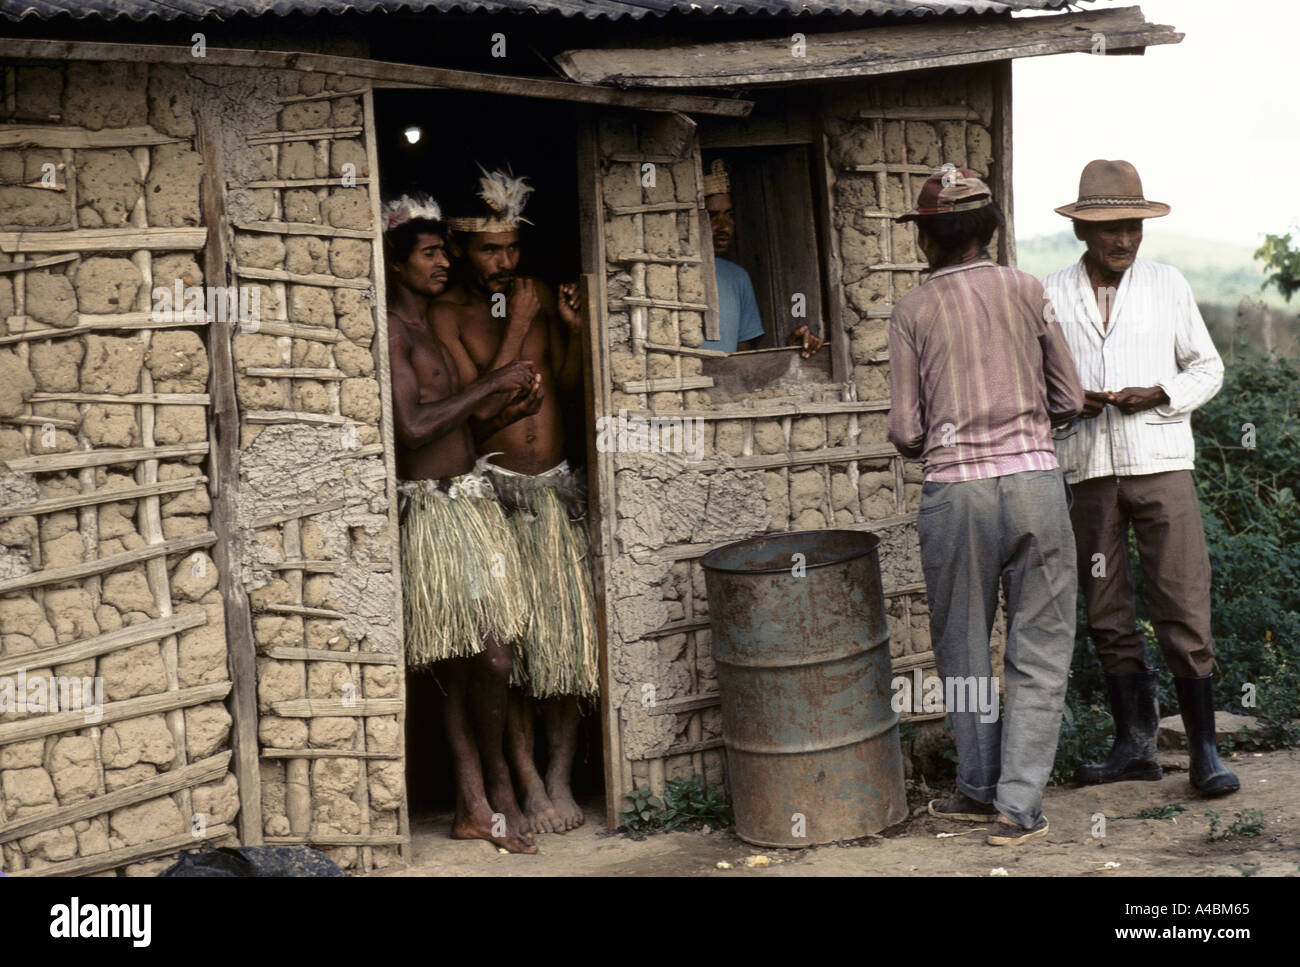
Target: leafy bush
[(1247, 478), (686, 802)]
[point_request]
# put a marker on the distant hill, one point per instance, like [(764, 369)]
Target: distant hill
[(1220, 274)]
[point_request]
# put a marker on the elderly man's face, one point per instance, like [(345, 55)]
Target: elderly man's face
[(722, 218), (1112, 245)]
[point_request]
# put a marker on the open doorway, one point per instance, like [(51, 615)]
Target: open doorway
[(436, 142)]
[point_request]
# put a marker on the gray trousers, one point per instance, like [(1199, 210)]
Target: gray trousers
[(974, 533)]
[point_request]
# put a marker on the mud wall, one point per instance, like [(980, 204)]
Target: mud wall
[(802, 453), (105, 526)]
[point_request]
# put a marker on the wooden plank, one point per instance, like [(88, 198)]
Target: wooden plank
[(279, 275), (305, 708), (919, 660), (339, 839), (637, 300), (318, 654), (47, 462), (704, 248), (164, 784), (861, 53), (314, 567), (73, 425), (823, 177), (305, 228), (38, 263), (103, 565), (293, 416), (667, 385), (900, 267), (310, 134), (105, 495), (659, 206), (99, 862), (915, 588), (105, 643), (324, 95), (373, 70), (767, 409), (303, 610), (663, 347), (300, 183), (271, 328), (679, 627), (70, 136), (270, 520), (686, 748), (654, 259), (38, 727), (298, 372), (88, 240), (175, 399), (326, 754), (690, 703), (691, 552), (88, 323)]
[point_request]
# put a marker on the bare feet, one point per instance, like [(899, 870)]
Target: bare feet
[(540, 815), (485, 825), (570, 813)]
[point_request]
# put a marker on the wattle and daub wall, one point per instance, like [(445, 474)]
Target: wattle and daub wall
[(803, 455), (111, 419), (188, 494)]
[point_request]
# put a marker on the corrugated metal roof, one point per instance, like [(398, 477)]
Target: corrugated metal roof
[(591, 9)]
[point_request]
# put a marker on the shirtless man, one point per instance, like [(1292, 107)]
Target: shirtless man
[(494, 317), (451, 613)]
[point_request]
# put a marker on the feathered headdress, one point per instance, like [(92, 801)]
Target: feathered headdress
[(505, 195), (399, 211)]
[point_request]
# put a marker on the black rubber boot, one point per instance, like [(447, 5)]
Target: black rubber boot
[(1210, 777), (1137, 717)]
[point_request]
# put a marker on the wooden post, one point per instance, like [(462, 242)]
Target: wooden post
[(1001, 166), (601, 517), (223, 471)]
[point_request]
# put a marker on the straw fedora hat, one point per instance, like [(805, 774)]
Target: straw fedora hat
[(1110, 191)]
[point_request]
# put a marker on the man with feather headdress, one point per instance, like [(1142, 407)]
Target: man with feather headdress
[(460, 567), (492, 317)]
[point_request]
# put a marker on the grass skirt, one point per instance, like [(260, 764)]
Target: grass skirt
[(462, 578), (558, 648)]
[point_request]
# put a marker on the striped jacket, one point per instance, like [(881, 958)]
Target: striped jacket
[(1156, 337)]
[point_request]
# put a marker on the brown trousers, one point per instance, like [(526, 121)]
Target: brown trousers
[(1166, 519)]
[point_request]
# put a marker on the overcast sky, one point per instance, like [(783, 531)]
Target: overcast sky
[(1212, 123)]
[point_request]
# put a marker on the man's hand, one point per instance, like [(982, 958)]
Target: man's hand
[(1093, 403), (1135, 399), (524, 304), (514, 379), (527, 406), (569, 304), (804, 338)]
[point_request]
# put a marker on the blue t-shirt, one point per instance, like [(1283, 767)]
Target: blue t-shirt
[(738, 319)]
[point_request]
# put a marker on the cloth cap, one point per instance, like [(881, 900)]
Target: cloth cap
[(951, 190)]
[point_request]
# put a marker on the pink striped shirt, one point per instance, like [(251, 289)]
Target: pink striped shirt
[(978, 377)]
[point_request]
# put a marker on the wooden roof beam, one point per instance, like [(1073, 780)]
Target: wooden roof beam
[(377, 71), (861, 53)]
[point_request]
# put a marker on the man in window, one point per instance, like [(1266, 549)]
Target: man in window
[(739, 325)]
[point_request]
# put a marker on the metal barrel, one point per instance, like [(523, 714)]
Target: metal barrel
[(801, 646)]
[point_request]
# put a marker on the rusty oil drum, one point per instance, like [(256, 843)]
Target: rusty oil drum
[(804, 677)]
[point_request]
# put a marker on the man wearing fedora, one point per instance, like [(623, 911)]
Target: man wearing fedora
[(979, 375), (1146, 361)]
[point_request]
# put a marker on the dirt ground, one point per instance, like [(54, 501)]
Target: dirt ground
[(1270, 782)]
